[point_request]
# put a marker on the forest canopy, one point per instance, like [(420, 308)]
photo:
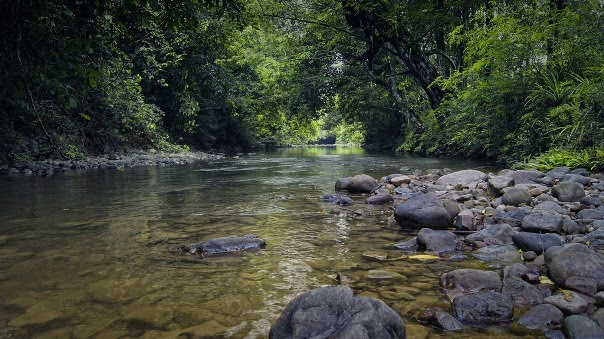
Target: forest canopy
[(499, 80)]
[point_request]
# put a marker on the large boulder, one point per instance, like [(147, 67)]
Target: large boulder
[(535, 242), (581, 327), (501, 232), (227, 245), (436, 241), (591, 213), (334, 312), (464, 177), (483, 308), (499, 182), (516, 196), (568, 191), (470, 281), (422, 210), (542, 318), (575, 260), (361, 183), (526, 176), (542, 222)]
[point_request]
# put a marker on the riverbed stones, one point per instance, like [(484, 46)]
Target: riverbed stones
[(361, 183), (568, 191), (522, 293), (499, 182), (483, 308), (575, 260), (516, 196), (581, 327), (542, 221), (436, 241), (40, 314), (543, 317), (227, 245), (512, 218), (463, 178), (569, 302), (464, 221), (422, 210), (526, 176), (336, 313), (528, 241), (116, 291)]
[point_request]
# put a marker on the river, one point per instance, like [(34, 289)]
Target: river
[(95, 253)]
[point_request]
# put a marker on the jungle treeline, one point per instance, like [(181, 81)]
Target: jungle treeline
[(498, 80)]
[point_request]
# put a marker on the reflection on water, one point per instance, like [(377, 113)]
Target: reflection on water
[(94, 254)]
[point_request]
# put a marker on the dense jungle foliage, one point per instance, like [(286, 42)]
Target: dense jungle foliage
[(501, 80)]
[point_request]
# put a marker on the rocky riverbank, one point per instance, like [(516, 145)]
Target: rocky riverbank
[(115, 161), (540, 236)]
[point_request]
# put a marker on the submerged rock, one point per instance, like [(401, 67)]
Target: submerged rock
[(337, 199), (227, 245), (334, 312), (471, 281), (422, 210)]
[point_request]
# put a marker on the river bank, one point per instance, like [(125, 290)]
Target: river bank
[(115, 161)]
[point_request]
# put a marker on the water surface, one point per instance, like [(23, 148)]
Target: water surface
[(95, 253)]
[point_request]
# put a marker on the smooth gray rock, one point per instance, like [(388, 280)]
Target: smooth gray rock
[(591, 201), (574, 260), (436, 241), (535, 242), (598, 317), (581, 327), (361, 183), (464, 177), (502, 232), (580, 171), (498, 183), (498, 254), (542, 222), (576, 178), (516, 196), (400, 180), (471, 281), (447, 322), (483, 308), (591, 213), (422, 210), (227, 245), (379, 199), (334, 312), (573, 305), (558, 172), (522, 293), (542, 318), (568, 191), (526, 176), (582, 284)]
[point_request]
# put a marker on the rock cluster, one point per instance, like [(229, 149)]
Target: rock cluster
[(108, 161), (541, 235)]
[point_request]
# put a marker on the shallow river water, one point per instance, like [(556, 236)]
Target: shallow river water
[(95, 253)]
